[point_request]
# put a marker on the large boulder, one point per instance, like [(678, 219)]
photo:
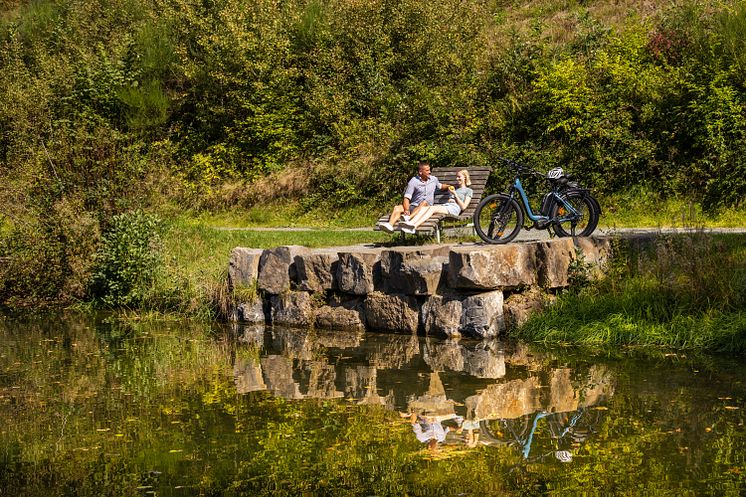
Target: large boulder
[(391, 312), (277, 268), (519, 306), (293, 309), (359, 271), (493, 267), (553, 260), (315, 270), (250, 312), (243, 268), (413, 270), (478, 316), (339, 317)]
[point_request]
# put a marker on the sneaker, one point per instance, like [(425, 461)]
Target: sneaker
[(407, 224), (406, 218), (407, 230), (387, 227)]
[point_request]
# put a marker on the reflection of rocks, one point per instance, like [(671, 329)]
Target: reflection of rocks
[(598, 388), (248, 376), (252, 334), (434, 402), (505, 400), (481, 360), (318, 380), (395, 351), (278, 376), (521, 397)]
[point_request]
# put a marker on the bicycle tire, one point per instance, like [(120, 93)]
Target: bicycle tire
[(494, 214), (589, 211)]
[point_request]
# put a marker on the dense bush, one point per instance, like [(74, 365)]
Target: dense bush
[(115, 106)]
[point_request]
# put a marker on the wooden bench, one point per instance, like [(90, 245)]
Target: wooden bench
[(436, 223)]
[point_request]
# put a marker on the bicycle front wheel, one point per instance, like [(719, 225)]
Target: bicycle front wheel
[(498, 219), (582, 224)]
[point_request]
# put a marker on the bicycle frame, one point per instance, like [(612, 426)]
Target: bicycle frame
[(518, 187)]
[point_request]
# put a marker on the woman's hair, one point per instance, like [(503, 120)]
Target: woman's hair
[(467, 178)]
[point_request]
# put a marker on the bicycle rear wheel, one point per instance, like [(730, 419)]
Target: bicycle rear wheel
[(582, 225), (498, 219)]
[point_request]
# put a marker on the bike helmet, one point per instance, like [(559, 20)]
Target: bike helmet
[(555, 173)]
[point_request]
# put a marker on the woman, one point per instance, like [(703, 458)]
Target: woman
[(460, 198)]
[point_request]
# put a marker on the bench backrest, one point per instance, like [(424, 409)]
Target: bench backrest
[(447, 175)]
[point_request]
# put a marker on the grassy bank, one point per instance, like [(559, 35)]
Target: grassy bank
[(686, 292)]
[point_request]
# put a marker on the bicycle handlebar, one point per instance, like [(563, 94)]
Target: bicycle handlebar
[(520, 167)]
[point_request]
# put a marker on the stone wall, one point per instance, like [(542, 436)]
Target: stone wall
[(452, 290)]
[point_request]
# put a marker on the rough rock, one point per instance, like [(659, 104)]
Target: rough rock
[(478, 316), (293, 309), (359, 272), (596, 253), (519, 306), (316, 270), (492, 268), (243, 268), (553, 261), (277, 268), (339, 317), (391, 312), (250, 312), (413, 270)]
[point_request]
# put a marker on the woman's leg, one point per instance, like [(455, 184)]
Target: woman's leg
[(425, 214)]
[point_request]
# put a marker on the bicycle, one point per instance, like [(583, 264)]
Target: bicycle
[(566, 210)]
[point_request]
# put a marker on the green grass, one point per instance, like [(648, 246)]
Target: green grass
[(640, 208), (687, 293)]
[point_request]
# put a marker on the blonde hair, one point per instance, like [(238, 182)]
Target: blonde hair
[(467, 178)]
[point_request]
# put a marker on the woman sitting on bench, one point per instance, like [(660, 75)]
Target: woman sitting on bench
[(460, 198)]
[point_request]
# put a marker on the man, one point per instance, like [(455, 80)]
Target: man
[(420, 192)]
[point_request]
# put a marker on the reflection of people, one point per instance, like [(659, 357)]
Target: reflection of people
[(460, 198), (429, 430), (471, 435), (420, 192)]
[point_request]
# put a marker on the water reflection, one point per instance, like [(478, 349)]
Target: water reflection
[(451, 392)]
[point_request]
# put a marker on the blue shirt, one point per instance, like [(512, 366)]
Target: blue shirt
[(418, 190)]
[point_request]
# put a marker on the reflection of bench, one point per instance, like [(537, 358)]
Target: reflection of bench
[(436, 224)]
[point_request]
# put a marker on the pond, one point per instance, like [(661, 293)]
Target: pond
[(91, 406)]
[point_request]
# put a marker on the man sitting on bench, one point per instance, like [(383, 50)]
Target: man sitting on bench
[(420, 192)]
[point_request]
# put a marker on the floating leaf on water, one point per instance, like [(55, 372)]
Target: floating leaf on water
[(119, 435), (732, 408), (103, 429), (601, 408), (174, 451), (725, 398)]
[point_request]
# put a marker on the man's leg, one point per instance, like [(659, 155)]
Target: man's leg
[(396, 214)]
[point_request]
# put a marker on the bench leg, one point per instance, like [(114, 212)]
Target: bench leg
[(437, 234)]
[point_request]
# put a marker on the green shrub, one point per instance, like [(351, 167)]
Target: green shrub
[(129, 262)]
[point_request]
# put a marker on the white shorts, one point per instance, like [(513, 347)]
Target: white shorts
[(453, 208)]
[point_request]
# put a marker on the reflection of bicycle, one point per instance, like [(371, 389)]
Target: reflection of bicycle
[(568, 209), (564, 429)]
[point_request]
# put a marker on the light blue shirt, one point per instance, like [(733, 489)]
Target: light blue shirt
[(418, 190)]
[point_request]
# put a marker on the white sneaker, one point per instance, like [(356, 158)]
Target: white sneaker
[(407, 224), (387, 227), (406, 218), (407, 230)]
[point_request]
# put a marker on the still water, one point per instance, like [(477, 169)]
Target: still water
[(96, 407)]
